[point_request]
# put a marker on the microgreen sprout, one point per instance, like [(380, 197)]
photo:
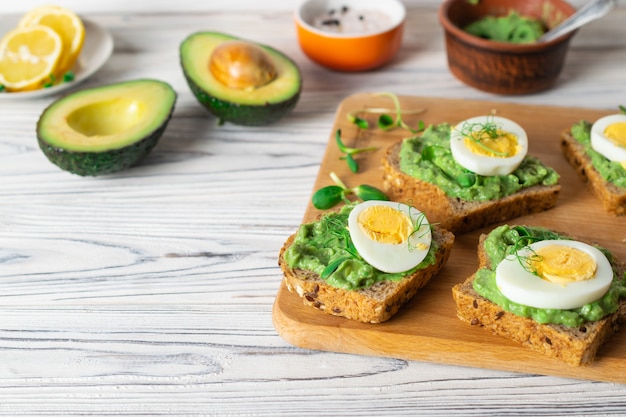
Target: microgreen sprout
[(68, 77), (331, 195), (464, 179), (477, 131), (622, 109), (1, 88), (417, 225), (50, 82), (350, 152), (341, 235), (523, 241), (385, 121)]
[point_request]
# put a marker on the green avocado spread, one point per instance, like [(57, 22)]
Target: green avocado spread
[(512, 28), (503, 241), (428, 158), (325, 248), (611, 171)]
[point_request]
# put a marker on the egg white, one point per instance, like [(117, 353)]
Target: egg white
[(387, 257), (603, 145), (482, 164), (525, 288)]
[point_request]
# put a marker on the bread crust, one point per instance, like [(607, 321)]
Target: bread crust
[(457, 215), (574, 346), (375, 304), (613, 198)]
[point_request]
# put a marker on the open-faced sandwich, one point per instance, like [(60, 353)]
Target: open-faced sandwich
[(365, 260), (545, 290), (598, 153), (471, 175)]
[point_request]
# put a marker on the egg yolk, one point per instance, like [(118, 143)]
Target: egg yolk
[(501, 145), (385, 224), (563, 264), (617, 133)]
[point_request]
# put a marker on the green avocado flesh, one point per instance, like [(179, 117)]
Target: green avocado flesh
[(512, 28), (428, 158), (258, 106), (105, 129), (502, 241), (326, 244), (611, 171)]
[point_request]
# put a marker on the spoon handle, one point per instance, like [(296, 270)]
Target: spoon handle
[(591, 11)]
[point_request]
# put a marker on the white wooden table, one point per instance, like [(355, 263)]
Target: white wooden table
[(150, 292)]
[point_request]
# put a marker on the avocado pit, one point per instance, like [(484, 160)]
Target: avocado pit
[(242, 65)]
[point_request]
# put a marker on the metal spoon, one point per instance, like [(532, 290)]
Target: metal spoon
[(591, 11)]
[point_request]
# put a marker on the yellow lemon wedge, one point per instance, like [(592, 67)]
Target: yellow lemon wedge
[(28, 56), (64, 22)]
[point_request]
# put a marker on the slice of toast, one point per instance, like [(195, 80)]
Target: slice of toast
[(613, 198), (456, 215), (572, 345), (375, 304)]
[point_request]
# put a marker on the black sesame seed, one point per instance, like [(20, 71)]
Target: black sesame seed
[(331, 22)]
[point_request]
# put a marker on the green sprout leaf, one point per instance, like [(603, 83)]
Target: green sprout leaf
[(327, 197), (466, 179), (350, 152), (1, 88), (331, 195), (359, 122), (367, 192), (385, 120), (50, 82), (68, 77), (622, 109)]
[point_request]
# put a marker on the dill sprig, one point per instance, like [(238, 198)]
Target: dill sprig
[(477, 131)]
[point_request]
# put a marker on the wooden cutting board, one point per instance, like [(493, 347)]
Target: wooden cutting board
[(427, 329)]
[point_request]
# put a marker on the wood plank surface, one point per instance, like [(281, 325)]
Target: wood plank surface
[(427, 328)]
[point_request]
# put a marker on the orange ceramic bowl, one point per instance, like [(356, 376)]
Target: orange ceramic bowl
[(350, 35)]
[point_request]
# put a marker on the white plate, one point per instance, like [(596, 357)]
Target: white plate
[(96, 50)]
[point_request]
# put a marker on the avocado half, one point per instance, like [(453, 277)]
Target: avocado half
[(239, 81), (105, 129)]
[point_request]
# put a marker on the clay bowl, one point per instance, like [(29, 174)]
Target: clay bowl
[(351, 47), (502, 67)]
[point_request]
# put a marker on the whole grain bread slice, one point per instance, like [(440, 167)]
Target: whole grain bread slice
[(572, 345), (613, 198), (456, 215), (375, 304)]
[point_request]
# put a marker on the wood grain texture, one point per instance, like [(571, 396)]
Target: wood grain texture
[(427, 328), (150, 292)]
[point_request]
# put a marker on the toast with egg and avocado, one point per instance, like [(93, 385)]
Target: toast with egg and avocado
[(524, 290), (470, 176), (364, 261), (599, 158)]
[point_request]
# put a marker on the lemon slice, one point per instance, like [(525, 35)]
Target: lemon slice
[(28, 56), (67, 24)]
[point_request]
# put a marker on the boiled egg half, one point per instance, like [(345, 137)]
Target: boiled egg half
[(392, 237), (608, 137), (489, 145), (559, 274)]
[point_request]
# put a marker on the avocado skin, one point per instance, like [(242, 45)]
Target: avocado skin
[(85, 163), (100, 163), (245, 115)]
